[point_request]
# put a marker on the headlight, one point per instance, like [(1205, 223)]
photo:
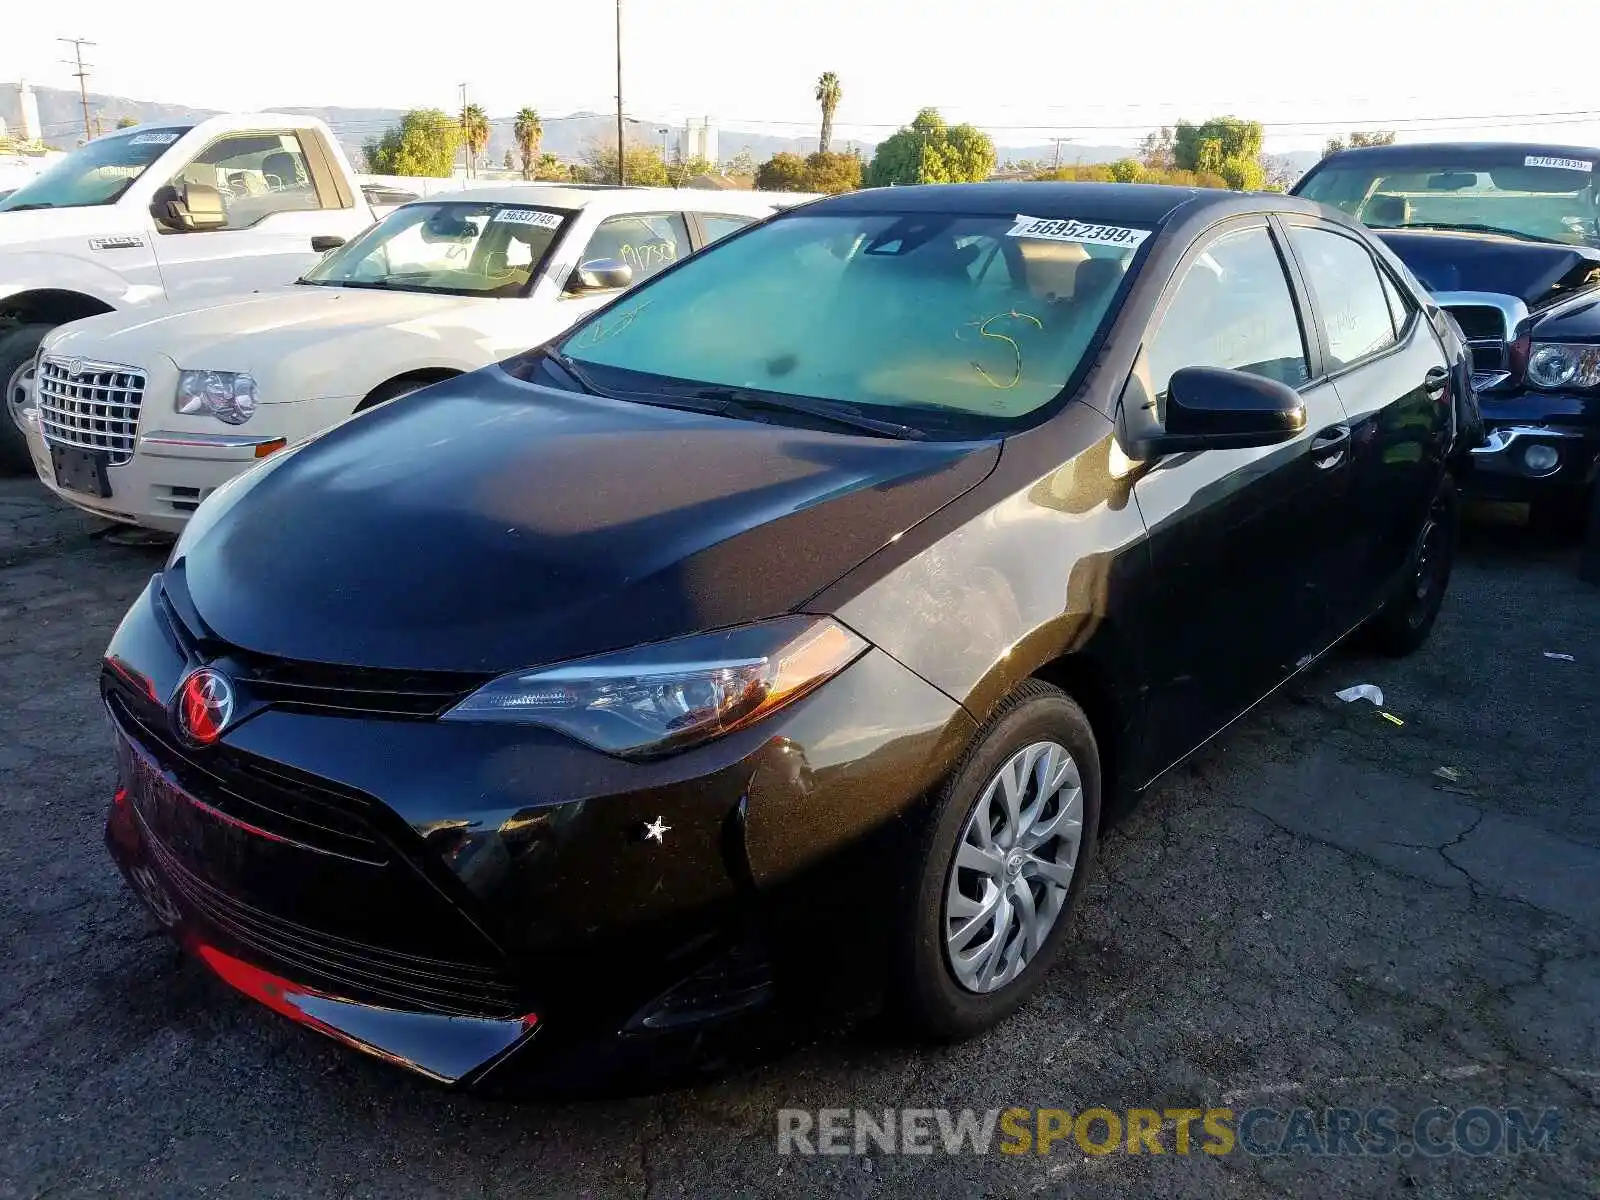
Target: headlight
[(1556, 364), (227, 395), (655, 699)]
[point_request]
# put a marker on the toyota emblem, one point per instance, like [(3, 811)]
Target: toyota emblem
[(204, 706)]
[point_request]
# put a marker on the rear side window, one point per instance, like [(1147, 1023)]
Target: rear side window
[(1233, 309), (1400, 306), (717, 226), (1349, 294)]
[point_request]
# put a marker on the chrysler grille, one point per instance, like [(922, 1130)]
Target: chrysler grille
[(90, 405)]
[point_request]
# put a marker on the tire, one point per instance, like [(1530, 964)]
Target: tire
[(1403, 624), (17, 350), (929, 988)]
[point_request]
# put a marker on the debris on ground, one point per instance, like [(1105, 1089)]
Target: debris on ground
[(1362, 691), (1556, 654), (1448, 774)]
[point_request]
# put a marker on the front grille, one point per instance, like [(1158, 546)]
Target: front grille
[(1484, 327), (265, 797), (345, 968), (1479, 321), (90, 405)]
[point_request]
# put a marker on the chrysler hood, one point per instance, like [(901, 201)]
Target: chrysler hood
[(489, 524), (251, 331), (1535, 272)]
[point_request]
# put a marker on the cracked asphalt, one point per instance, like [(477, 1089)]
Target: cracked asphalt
[(1298, 917)]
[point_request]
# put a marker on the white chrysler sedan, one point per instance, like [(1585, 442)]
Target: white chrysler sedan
[(138, 416)]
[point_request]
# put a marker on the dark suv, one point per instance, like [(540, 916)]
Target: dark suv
[(1507, 238)]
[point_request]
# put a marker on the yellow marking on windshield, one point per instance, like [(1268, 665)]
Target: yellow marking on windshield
[(983, 332), (601, 331)]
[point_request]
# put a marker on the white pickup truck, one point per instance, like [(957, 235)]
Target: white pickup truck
[(165, 212)]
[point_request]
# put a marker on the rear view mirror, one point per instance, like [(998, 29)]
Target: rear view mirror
[(1452, 181), (1209, 408), (601, 275), (445, 227), (198, 208)]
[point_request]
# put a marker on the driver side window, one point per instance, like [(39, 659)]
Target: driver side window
[(1232, 309), (256, 174), (647, 242)]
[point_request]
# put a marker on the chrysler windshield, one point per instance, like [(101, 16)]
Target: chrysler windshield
[(925, 319), (452, 247)]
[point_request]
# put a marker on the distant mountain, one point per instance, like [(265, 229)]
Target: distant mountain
[(61, 117)]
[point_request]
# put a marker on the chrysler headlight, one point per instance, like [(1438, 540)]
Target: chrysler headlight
[(229, 396), (1558, 364), (652, 700)]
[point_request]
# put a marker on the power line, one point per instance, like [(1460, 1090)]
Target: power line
[(82, 73)]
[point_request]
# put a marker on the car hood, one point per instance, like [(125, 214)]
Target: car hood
[(490, 524), (250, 331), (1535, 272)]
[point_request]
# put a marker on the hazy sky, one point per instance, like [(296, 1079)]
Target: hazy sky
[(1027, 70)]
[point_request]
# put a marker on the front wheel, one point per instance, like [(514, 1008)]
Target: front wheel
[(18, 349), (1403, 624), (1006, 855)]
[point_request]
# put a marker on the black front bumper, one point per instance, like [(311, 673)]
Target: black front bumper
[(1539, 446), (474, 902)]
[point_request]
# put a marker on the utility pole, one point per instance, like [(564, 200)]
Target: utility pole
[(1058, 142), (466, 147), (82, 73), (622, 159)]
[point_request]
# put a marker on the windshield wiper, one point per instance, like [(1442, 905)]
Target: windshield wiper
[(25, 207), (1516, 233), (752, 401)]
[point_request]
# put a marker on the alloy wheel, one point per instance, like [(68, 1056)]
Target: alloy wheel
[(1432, 563), (1013, 866)]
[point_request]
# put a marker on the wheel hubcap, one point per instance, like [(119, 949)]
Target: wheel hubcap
[(1013, 865), (18, 390)]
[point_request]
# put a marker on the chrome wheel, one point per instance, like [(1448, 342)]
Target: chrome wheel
[(1013, 865), (19, 391)]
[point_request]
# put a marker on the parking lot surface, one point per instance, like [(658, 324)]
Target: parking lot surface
[(1296, 918)]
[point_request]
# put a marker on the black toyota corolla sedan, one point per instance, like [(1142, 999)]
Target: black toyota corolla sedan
[(783, 633)]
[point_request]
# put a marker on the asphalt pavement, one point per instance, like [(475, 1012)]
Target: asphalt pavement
[(1304, 916)]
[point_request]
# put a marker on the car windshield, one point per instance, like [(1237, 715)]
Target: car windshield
[(924, 319), (453, 247), (1545, 197), (94, 174)]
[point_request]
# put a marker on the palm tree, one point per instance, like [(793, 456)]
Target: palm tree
[(828, 93), (528, 130), (475, 129)]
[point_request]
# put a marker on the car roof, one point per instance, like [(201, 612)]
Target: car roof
[(1497, 152), (609, 198), (1142, 204)]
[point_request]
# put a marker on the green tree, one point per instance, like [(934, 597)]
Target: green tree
[(929, 151), (550, 167), (424, 143), (528, 130), (832, 173), (743, 164), (783, 172), (126, 122), (646, 167), (828, 93), (1127, 170), (475, 129), (681, 171)]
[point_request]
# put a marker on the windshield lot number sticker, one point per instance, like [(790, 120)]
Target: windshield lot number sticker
[(1562, 164), (1064, 230), (153, 139), (528, 216)]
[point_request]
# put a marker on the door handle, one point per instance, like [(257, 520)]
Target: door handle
[(1329, 446), (1436, 381), (324, 242)]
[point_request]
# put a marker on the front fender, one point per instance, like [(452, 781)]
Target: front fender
[(34, 271)]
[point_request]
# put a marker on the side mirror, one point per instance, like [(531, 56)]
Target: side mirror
[(199, 208), (324, 242), (600, 275), (1209, 408)]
